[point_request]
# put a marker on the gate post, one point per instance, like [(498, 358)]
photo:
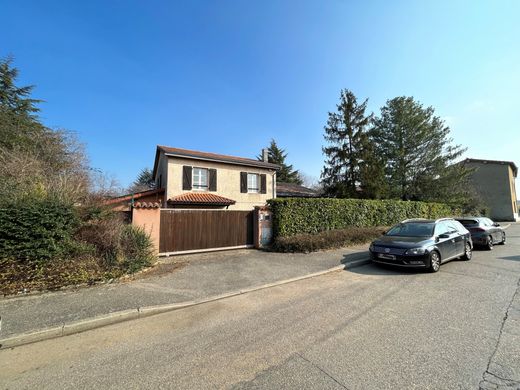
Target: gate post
[(263, 226), (147, 215)]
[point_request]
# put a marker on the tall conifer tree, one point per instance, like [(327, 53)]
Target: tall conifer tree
[(345, 134), (417, 151)]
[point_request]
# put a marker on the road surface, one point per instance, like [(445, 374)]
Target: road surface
[(367, 328)]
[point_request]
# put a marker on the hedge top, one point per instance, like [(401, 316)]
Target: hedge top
[(313, 215)]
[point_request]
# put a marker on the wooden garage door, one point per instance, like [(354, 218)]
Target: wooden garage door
[(185, 230)]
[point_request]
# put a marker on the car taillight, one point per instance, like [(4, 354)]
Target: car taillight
[(477, 229)]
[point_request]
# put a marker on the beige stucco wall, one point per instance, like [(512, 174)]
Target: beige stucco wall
[(228, 182), (493, 183), (162, 169), (149, 220)]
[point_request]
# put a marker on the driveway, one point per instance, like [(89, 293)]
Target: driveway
[(174, 280)]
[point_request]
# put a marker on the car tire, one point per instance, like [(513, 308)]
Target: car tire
[(503, 239), (489, 243), (435, 261), (468, 252)]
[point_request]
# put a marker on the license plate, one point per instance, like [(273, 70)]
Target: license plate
[(385, 256)]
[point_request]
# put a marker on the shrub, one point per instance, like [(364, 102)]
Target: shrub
[(137, 249), (326, 240), (36, 229), (122, 248), (313, 215)]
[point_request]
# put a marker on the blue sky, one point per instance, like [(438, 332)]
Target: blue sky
[(227, 76)]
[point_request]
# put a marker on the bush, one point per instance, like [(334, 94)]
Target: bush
[(122, 248), (37, 230), (326, 240), (313, 215), (137, 249)]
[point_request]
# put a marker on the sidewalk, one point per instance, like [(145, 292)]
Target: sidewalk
[(175, 280)]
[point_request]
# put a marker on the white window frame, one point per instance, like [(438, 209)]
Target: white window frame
[(250, 185), (199, 185)]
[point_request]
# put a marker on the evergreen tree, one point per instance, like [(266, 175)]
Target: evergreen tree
[(372, 179), (286, 173), (14, 98), (35, 160), (417, 152), (345, 134), (143, 182)]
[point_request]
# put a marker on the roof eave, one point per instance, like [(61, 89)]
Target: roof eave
[(260, 164)]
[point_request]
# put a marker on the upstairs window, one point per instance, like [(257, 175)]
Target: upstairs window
[(200, 179), (253, 182)]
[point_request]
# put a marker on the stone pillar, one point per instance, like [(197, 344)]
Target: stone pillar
[(147, 215), (263, 227)]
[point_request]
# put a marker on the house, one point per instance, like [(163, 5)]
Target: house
[(291, 190), (494, 182), (193, 179)]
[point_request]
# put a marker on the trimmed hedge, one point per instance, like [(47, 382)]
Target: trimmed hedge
[(313, 215), (37, 230)]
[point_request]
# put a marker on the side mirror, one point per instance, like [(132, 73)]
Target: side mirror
[(496, 224), (444, 235)]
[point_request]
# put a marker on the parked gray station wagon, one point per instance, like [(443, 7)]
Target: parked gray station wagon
[(422, 243)]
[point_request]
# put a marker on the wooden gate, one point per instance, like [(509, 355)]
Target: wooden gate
[(189, 230)]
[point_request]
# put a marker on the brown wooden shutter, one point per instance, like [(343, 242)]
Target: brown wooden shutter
[(212, 179), (263, 184), (243, 182), (186, 178)]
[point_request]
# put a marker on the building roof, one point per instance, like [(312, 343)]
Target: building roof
[(291, 190), (200, 199), (205, 156), (147, 205), (134, 196), (483, 161)]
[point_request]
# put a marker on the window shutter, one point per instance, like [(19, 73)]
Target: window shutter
[(186, 178), (243, 182), (212, 179), (263, 184)]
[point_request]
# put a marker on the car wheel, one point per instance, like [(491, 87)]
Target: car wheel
[(468, 252), (435, 261), (489, 243), (503, 238)]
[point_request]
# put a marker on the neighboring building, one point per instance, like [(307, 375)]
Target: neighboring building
[(291, 190), (494, 181), (126, 202), (193, 179)]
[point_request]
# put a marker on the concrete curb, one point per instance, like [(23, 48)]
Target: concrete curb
[(67, 329)]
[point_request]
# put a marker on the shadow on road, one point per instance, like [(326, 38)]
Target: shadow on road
[(512, 258), (376, 269)]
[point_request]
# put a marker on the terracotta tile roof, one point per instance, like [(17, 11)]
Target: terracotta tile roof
[(290, 190), (147, 205), (201, 198), (134, 196), (194, 154)]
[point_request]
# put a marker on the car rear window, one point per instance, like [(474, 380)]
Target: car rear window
[(468, 222), (412, 229)]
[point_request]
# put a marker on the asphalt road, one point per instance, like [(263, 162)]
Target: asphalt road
[(368, 328)]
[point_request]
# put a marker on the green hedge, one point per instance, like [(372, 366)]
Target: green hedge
[(36, 230), (313, 215), (326, 240)]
